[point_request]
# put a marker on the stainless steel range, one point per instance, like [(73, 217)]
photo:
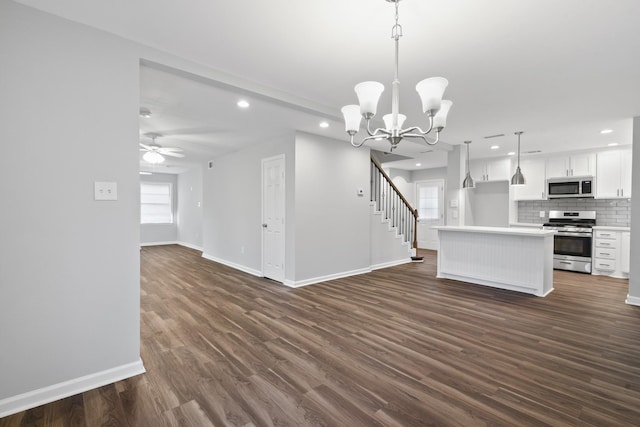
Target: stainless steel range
[(573, 241)]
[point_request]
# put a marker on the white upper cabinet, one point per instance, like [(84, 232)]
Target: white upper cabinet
[(485, 170), (613, 178), (574, 165), (534, 175)]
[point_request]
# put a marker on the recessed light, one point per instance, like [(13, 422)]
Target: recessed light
[(243, 104), (324, 124), (606, 131), (612, 144), (511, 153), (418, 164), (495, 147)]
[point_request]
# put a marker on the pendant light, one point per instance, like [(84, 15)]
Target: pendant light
[(468, 181), (518, 178)]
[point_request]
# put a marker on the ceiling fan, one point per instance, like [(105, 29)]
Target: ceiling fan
[(154, 153)]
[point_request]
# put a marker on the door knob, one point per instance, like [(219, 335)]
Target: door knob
[(264, 225)]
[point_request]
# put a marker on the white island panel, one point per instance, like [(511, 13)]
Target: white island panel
[(507, 258)]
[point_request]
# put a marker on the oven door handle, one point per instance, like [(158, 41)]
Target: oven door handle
[(564, 233)]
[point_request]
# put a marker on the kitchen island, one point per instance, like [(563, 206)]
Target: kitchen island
[(517, 259)]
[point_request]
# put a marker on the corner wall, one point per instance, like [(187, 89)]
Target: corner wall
[(332, 221), (190, 208), (69, 265), (232, 211)]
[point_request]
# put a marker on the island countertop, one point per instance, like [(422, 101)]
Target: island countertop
[(517, 259), (514, 231)]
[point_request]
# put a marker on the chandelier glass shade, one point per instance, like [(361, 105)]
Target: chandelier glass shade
[(430, 90), (153, 157)]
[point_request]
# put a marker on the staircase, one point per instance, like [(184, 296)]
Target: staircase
[(394, 222)]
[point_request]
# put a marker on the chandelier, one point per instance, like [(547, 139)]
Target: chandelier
[(430, 91)]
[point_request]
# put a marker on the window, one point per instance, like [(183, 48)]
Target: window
[(155, 203), (428, 201)]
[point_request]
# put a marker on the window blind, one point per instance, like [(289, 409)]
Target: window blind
[(155, 203)]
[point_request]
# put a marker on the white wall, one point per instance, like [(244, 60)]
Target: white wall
[(634, 274), (69, 265), (232, 216), (332, 222), (190, 208), (161, 233)]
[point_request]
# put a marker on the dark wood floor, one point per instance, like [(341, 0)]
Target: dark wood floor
[(394, 347)]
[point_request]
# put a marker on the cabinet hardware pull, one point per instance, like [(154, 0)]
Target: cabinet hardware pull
[(565, 262)]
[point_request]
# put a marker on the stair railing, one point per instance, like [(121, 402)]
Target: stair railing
[(390, 201)]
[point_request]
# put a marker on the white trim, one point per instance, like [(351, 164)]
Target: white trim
[(243, 268), (306, 282), (190, 246), (158, 243), (390, 264), (31, 399), (632, 300)]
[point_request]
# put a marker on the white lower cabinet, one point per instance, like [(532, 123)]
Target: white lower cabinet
[(611, 252)]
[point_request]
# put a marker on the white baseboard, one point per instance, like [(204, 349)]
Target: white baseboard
[(632, 300), (391, 263), (190, 246), (233, 265), (31, 399), (158, 243), (307, 282)]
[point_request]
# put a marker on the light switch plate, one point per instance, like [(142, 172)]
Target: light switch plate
[(105, 190), (542, 214)]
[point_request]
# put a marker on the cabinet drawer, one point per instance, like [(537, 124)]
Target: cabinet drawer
[(604, 243), (605, 253), (604, 234), (605, 264)]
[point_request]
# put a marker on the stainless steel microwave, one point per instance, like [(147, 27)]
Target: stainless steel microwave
[(572, 186)]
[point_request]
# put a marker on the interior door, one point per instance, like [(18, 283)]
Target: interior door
[(273, 204), (430, 205)]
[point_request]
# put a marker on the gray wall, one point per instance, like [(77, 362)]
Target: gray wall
[(489, 203), (161, 233), (190, 208), (428, 174), (69, 265), (332, 222), (614, 212), (634, 274), (402, 180), (232, 211)]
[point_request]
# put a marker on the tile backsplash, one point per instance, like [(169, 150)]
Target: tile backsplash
[(612, 212)]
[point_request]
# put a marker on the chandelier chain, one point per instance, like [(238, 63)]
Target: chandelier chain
[(396, 31)]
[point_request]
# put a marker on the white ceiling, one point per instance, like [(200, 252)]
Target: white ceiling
[(558, 70)]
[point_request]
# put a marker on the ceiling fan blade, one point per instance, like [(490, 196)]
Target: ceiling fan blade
[(146, 147), (168, 150), (173, 154)]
